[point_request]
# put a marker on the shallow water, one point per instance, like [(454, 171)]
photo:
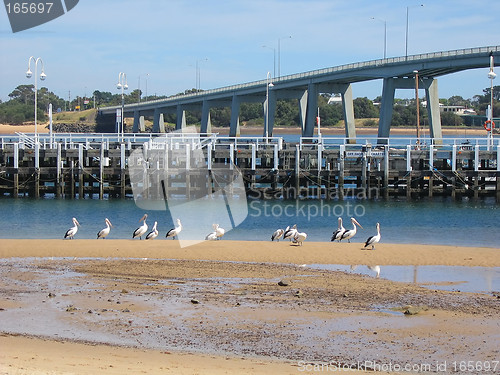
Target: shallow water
[(438, 221), (449, 278)]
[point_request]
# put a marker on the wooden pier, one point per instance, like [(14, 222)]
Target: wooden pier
[(329, 168)]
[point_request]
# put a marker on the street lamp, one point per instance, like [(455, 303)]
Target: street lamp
[(407, 19), (385, 35), (268, 85), (279, 53), (139, 86), (274, 59), (42, 78), (122, 85), (198, 75)]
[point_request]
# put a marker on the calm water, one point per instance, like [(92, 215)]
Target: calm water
[(440, 221)]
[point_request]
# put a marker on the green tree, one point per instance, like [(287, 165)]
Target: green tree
[(364, 108)]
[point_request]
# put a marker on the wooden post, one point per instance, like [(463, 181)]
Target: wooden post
[(59, 190), (101, 172)]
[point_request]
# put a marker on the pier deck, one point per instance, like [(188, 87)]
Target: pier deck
[(96, 166)]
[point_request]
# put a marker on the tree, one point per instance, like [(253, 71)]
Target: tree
[(364, 108), (24, 94)]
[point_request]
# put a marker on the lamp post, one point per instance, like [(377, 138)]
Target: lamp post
[(274, 59), (198, 75), (42, 78), (268, 85), (139, 86), (279, 53), (122, 85), (385, 35), (407, 19)]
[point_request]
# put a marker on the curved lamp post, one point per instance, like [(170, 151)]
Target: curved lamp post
[(122, 85), (385, 35), (139, 86), (279, 53), (42, 78), (407, 19)]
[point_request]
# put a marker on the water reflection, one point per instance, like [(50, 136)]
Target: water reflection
[(450, 278)]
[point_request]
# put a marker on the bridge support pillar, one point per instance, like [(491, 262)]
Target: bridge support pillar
[(135, 127), (234, 129), (384, 124), (269, 112), (206, 125), (312, 105), (156, 120), (431, 93), (348, 107), (181, 119)]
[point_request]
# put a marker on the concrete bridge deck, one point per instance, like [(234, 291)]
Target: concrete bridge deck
[(396, 73)]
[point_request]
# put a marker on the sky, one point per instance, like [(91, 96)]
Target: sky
[(86, 48)]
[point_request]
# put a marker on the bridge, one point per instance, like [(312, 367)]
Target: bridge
[(396, 73)]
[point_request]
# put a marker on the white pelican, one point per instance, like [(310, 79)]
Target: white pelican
[(104, 232), (371, 241), (348, 234), (277, 235), (290, 233), (175, 231), (376, 269), (337, 235), (299, 238), (72, 231), (211, 237), (153, 234), (142, 229), (219, 232)]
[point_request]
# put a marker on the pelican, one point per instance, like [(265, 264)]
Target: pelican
[(373, 239), (348, 234), (153, 234), (375, 269), (337, 235), (72, 231), (299, 238), (104, 232), (290, 232), (175, 231), (142, 229), (211, 237), (219, 232), (277, 235)]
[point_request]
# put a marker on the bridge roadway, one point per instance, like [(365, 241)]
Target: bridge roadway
[(396, 72)]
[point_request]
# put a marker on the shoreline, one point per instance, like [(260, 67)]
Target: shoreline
[(474, 132), (282, 252)]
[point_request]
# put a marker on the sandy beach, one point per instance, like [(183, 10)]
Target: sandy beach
[(326, 131), (130, 307)]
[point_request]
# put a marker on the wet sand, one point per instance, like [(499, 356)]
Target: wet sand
[(152, 307)]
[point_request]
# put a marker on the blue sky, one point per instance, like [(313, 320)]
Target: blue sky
[(88, 47)]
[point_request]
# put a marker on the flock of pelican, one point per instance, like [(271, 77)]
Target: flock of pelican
[(338, 235), (141, 231), (291, 234)]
